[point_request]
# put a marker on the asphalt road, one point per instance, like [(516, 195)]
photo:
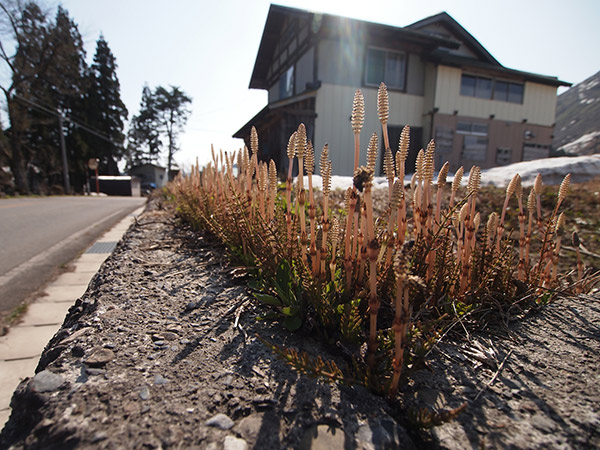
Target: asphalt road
[(38, 235)]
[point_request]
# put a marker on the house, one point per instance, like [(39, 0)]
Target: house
[(123, 185), (151, 175), (441, 81)]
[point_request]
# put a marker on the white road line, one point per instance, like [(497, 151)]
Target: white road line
[(41, 257)]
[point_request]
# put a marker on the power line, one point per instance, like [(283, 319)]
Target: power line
[(77, 122), (87, 128)]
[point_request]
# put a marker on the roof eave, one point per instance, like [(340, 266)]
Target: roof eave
[(466, 63)]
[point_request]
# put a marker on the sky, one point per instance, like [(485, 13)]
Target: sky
[(208, 48)]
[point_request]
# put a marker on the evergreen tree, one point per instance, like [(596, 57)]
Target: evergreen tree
[(63, 90), (106, 112), (163, 112), (172, 113), (143, 140)]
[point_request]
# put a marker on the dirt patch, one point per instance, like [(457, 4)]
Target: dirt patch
[(161, 352)]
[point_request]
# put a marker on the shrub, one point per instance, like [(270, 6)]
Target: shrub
[(392, 283)]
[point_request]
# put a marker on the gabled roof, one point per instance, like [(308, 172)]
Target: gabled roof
[(438, 48), (270, 37), (483, 58), (276, 20), (463, 35)]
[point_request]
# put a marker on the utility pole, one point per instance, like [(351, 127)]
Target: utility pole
[(63, 150)]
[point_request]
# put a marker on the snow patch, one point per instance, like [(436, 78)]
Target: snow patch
[(553, 170), (589, 85), (578, 144)]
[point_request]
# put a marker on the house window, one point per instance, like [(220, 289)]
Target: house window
[(475, 140), (535, 151), (475, 148), (286, 83), (476, 129), (483, 88), (387, 66), (467, 85), (488, 88), (503, 156), (472, 86), (501, 91), (515, 93)]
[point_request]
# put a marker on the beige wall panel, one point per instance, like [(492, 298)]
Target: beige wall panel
[(332, 125), (539, 102)]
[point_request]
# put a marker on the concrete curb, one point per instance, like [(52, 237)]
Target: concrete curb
[(21, 348)]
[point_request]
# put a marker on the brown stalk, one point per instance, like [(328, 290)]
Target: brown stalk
[(262, 187), (401, 320), (563, 190), (383, 111), (522, 238), (546, 250), (215, 161), (240, 174), (402, 225), (244, 169), (460, 231), (417, 214), (358, 119), (363, 178), (510, 190), (558, 231), (492, 225), (301, 198), (248, 183), (309, 162), (396, 197), (401, 156), (362, 243), (335, 237), (326, 179), (426, 206), (253, 160), (388, 169), (455, 185), (350, 203), (418, 193), (537, 187), (272, 189), (469, 244), (441, 182), (357, 232), (291, 152), (531, 210), (577, 244), (402, 153)]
